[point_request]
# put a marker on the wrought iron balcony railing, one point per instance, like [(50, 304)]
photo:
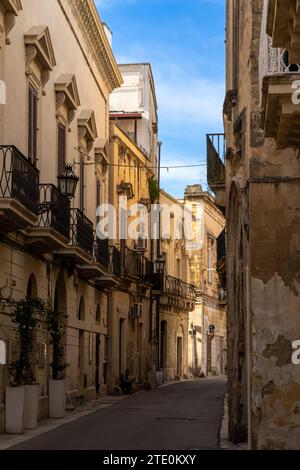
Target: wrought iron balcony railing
[(101, 251), (133, 263), (54, 210), (178, 288), (216, 151), (82, 232), (279, 62), (19, 179), (115, 262)]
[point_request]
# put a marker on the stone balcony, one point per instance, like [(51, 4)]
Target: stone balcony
[(283, 26), (280, 115)]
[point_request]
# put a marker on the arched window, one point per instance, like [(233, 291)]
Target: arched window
[(81, 310), (31, 288), (98, 314)]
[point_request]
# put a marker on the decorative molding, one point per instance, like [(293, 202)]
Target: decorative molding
[(87, 129), (38, 46), (30, 53), (67, 93), (125, 188), (9, 23), (92, 29), (60, 99), (229, 102), (11, 10)]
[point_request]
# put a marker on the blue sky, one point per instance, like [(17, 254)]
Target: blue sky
[(184, 42)]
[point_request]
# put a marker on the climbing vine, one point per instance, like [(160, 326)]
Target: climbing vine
[(26, 315), (56, 328), (153, 189), (29, 315)]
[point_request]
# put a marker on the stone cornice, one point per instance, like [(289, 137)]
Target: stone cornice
[(90, 24)]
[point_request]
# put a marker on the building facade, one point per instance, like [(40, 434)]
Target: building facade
[(208, 321), (259, 185), (178, 295), (130, 299), (56, 113)]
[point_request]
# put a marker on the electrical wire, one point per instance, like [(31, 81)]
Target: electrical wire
[(142, 164)]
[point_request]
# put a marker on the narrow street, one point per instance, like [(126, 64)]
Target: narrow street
[(183, 416)]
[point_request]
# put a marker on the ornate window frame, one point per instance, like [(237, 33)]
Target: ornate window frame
[(87, 129), (67, 94), (39, 49)]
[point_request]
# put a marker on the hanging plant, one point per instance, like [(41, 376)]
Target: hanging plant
[(56, 328), (153, 189), (26, 315)]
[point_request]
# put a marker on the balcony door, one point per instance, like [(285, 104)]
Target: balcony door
[(32, 123)]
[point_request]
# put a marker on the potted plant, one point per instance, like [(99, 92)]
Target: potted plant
[(23, 393), (57, 394)]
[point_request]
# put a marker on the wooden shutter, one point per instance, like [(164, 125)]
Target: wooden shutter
[(61, 148), (32, 124)]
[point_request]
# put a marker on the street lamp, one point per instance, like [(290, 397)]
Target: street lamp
[(67, 182), (160, 265)]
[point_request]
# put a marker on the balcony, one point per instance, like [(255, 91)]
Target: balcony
[(280, 115), (112, 276), (283, 25), (174, 292), (80, 250), (133, 264), (52, 229), (19, 190), (216, 151)]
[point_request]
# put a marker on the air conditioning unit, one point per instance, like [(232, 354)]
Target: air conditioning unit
[(137, 310)]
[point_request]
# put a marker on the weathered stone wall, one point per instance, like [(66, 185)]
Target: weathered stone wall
[(263, 248)]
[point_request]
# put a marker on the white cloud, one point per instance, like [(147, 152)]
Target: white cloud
[(188, 96), (177, 178)]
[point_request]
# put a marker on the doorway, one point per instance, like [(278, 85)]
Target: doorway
[(179, 355), (97, 366)]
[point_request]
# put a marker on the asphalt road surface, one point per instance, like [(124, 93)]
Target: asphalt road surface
[(183, 416)]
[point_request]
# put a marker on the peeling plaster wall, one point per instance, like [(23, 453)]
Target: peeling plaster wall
[(275, 294)]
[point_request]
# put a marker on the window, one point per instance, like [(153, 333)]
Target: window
[(209, 260), (81, 310), (32, 124), (98, 314), (61, 148), (178, 268)]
